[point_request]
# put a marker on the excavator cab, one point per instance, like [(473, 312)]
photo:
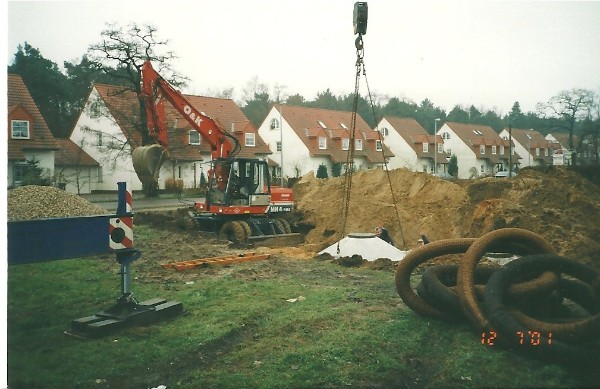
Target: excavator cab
[(147, 161), (239, 181)]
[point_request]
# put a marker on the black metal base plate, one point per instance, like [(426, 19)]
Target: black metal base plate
[(124, 315)]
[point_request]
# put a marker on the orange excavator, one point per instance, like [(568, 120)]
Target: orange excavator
[(240, 203)]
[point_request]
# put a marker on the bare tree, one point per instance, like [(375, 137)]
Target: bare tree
[(122, 53), (567, 108)]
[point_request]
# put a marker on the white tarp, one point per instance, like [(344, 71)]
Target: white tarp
[(367, 245)]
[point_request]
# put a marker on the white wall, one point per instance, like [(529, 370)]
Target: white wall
[(84, 177), (116, 167), (404, 155), (295, 153), (466, 159)]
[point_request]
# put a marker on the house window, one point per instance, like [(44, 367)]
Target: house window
[(494, 150), (345, 143), (19, 172), (20, 129), (501, 150), (445, 135), (322, 143), (100, 174), (385, 131), (482, 169), (179, 171), (378, 145), (440, 148), (194, 137), (358, 144), (537, 151), (482, 149), (425, 147), (249, 139), (278, 146), (274, 124), (547, 152), (98, 138)]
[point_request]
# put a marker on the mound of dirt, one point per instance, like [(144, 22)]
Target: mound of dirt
[(557, 204)]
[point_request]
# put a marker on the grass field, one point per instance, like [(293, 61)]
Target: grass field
[(347, 327)]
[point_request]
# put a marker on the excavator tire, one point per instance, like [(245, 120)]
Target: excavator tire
[(247, 228), (285, 226), (234, 232)]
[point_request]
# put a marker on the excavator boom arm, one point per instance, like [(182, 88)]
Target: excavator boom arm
[(156, 89)]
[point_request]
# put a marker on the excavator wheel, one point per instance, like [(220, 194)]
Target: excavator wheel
[(147, 161), (246, 227), (234, 232), (284, 225)]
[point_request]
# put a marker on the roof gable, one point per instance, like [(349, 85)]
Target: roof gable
[(21, 107)]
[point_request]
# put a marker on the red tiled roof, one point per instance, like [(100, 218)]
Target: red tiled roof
[(69, 154), (124, 107), (308, 123), (476, 135), (21, 106), (534, 140), (415, 135)]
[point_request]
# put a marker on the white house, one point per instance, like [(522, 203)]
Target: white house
[(75, 170), (531, 147), (304, 138), (29, 138), (413, 147), (479, 149), (107, 129)]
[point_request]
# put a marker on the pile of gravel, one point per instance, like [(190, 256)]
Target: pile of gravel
[(43, 202)]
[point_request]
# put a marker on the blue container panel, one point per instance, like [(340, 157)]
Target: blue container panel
[(50, 239)]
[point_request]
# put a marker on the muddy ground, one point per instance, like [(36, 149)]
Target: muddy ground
[(555, 203)]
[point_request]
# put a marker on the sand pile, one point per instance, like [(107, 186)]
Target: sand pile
[(557, 204)]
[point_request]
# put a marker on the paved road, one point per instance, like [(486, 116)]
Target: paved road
[(143, 203)]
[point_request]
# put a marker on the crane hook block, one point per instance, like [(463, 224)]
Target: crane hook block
[(360, 17)]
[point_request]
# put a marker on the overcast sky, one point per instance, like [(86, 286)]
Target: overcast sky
[(489, 54)]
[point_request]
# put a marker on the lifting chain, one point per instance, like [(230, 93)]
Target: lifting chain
[(360, 69)]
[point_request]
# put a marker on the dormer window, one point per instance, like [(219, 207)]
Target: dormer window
[(345, 143), (322, 143), (194, 137), (343, 126), (358, 144), (20, 129), (378, 146), (321, 124), (249, 139)]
